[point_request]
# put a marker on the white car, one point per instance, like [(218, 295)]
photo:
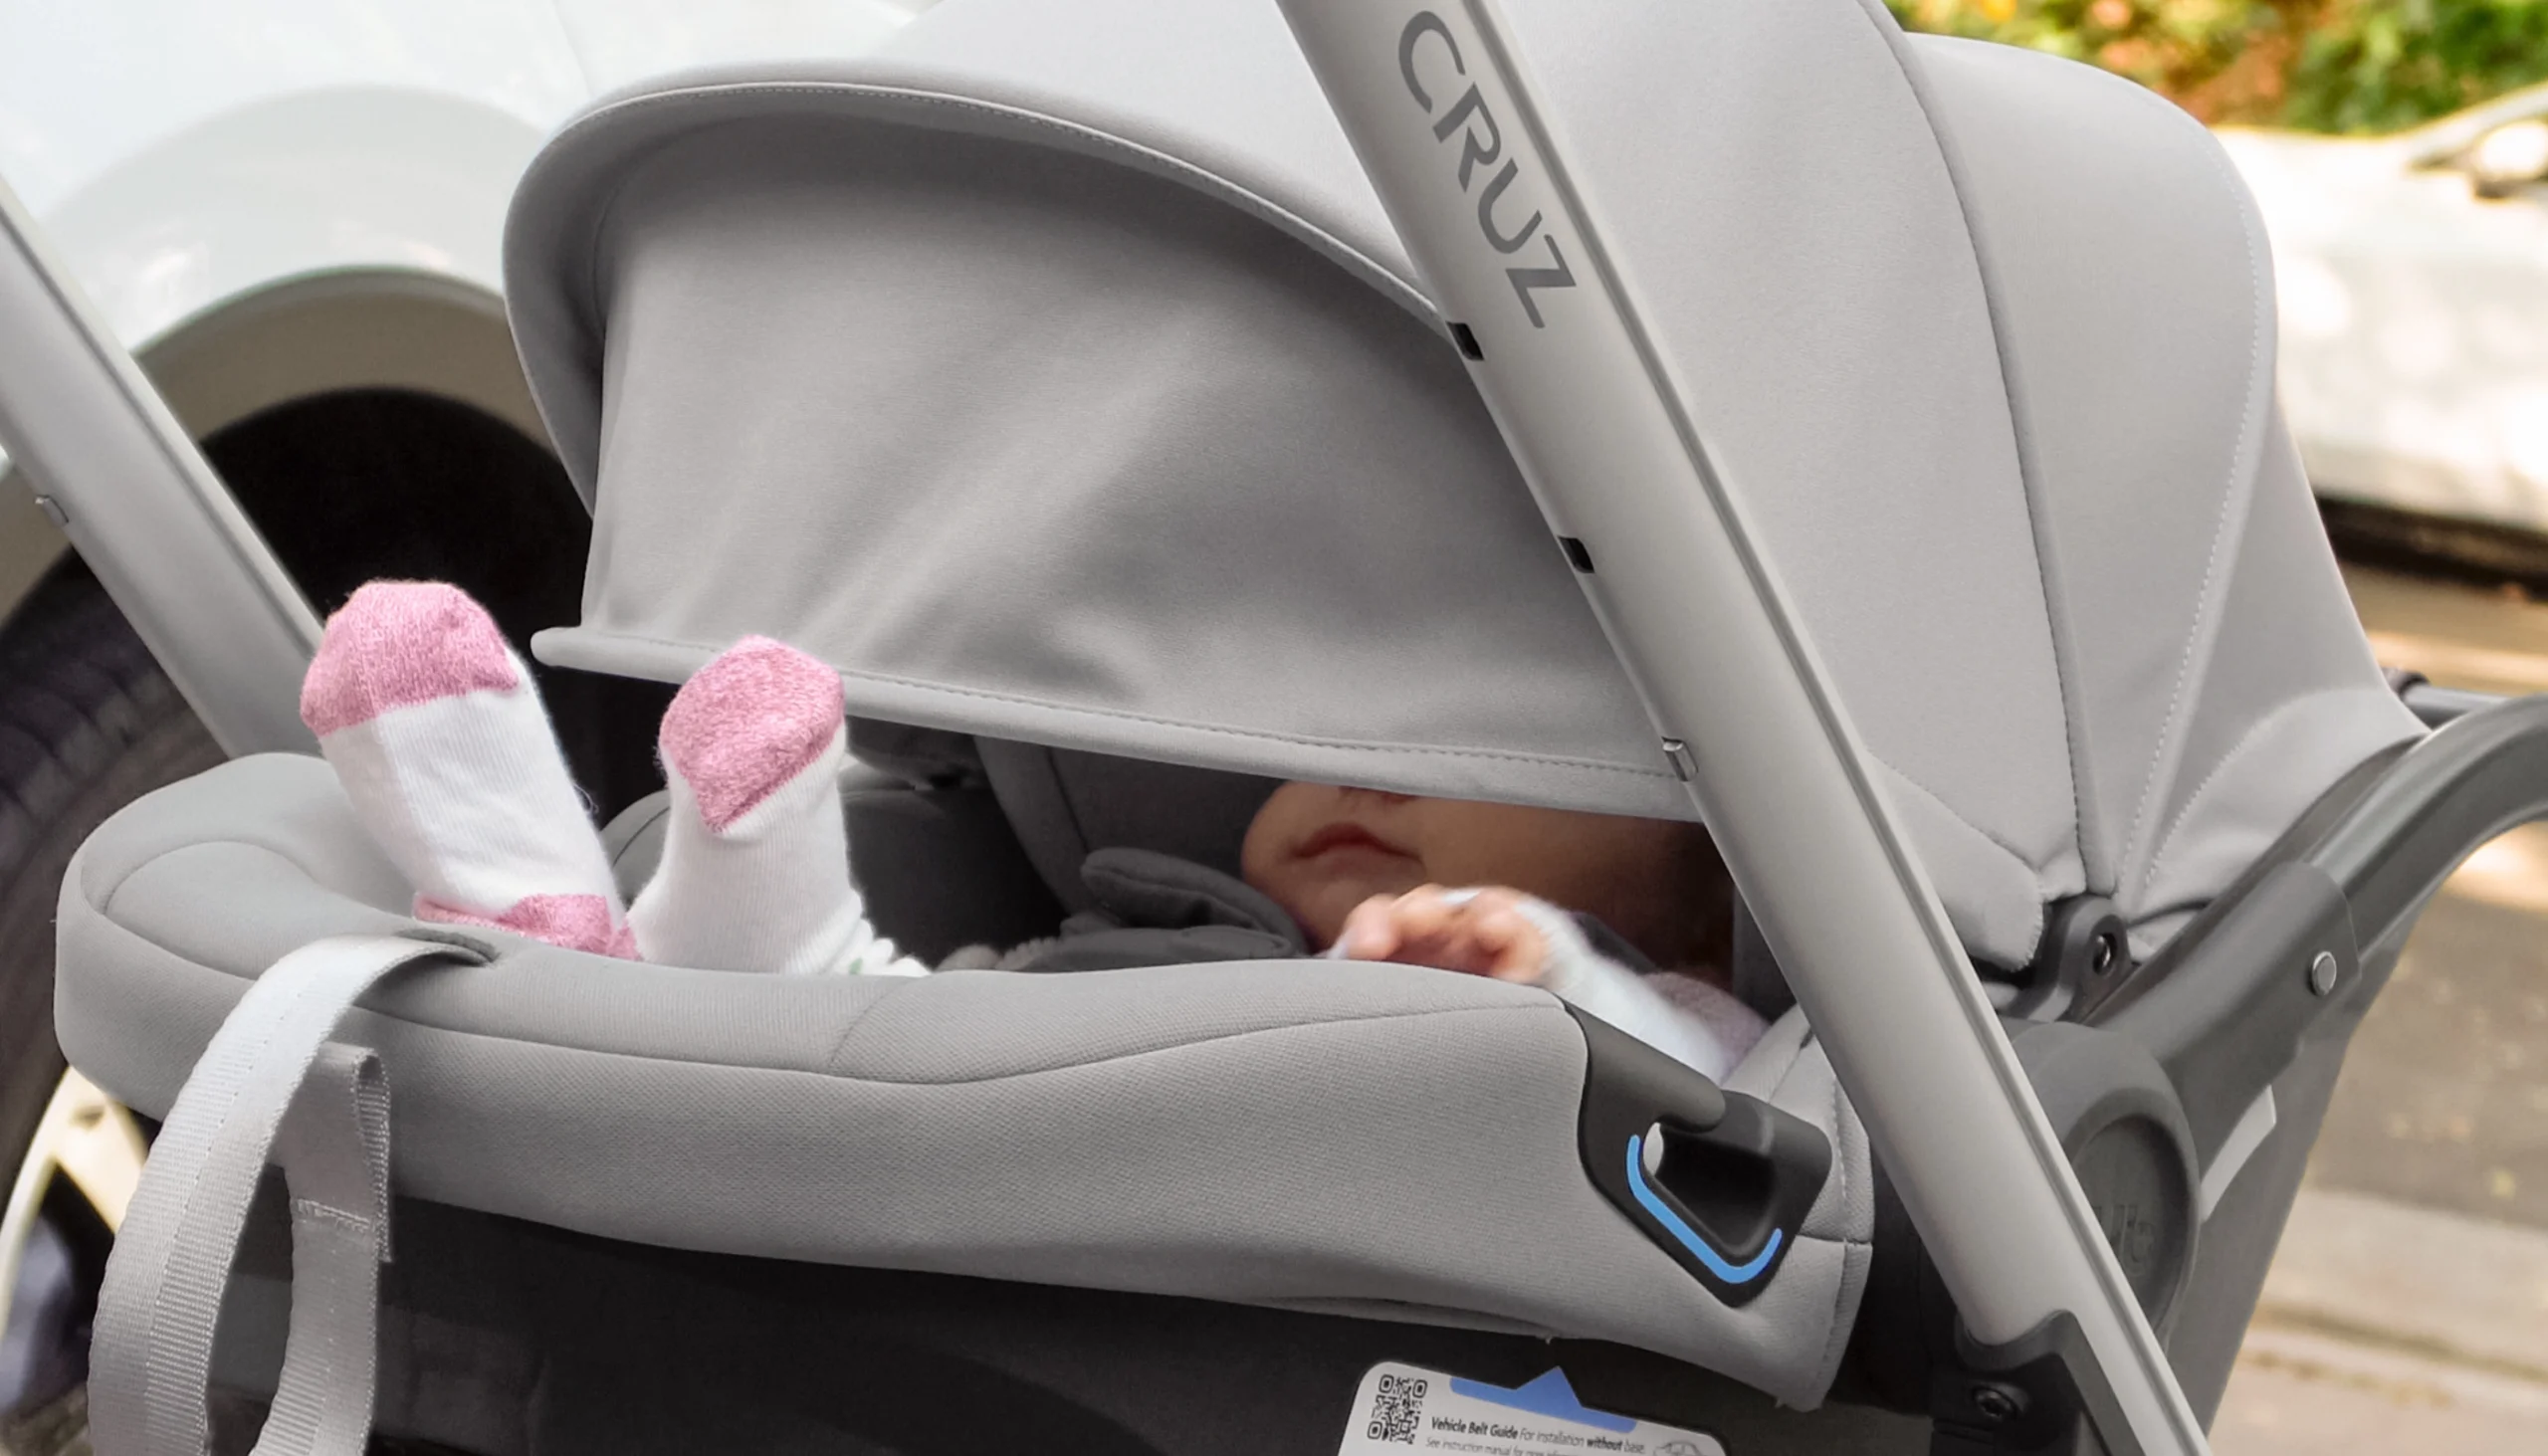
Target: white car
[(276, 200), (289, 212), (2413, 273)]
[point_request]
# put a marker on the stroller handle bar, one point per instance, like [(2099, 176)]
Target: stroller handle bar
[(1557, 346), (2483, 770)]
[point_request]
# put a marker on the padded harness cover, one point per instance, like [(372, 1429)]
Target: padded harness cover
[(1196, 1131)]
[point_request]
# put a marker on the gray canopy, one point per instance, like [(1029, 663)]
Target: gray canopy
[(1055, 374)]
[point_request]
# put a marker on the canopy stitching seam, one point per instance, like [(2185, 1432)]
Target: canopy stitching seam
[(1199, 179), (2020, 439), (1305, 740), (2170, 725), (2033, 871), (2168, 836), (1956, 814)]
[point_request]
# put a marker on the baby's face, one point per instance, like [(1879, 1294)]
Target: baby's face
[(1320, 851)]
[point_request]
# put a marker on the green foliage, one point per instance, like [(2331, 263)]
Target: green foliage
[(2396, 64), (2325, 65)]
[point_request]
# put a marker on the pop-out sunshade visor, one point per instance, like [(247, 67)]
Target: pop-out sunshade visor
[(1054, 373)]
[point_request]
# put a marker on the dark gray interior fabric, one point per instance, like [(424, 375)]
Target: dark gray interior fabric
[(1065, 805), (958, 843), (1185, 1130), (921, 757), (1060, 396), (937, 868), (1157, 909)]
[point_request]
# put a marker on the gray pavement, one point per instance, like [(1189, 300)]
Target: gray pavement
[(2389, 1328), (2297, 1393), (2443, 1102)]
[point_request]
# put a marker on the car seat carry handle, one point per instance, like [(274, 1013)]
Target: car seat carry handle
[(271, 1087), (1719, 1181)]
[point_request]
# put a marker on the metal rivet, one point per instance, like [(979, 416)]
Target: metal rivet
[(2322, 974), (1998, 1404), (1684, 767), (2109, 950)]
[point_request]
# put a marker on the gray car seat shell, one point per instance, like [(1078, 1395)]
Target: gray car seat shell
[(1141, 1130)]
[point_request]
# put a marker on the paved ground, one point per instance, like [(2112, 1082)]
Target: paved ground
[(2408, 1310), (2297, 1393), (2394, 1329), (2444, 1098)]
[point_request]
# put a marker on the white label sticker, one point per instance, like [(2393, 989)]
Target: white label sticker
[(1401, 1410)]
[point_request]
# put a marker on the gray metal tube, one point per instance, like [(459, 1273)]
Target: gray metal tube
[(1593, 414), (143, 508)]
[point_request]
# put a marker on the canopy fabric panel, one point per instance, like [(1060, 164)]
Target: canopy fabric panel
[(1055, 393)]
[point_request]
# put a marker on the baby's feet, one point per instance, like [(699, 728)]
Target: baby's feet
[(436, 730), (755, 868)]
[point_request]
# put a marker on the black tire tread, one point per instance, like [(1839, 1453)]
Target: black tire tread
[(87, 724)]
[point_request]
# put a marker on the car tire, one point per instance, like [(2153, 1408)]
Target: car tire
[(87, 724)]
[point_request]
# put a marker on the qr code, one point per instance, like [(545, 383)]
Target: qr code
[(1394, 1409)]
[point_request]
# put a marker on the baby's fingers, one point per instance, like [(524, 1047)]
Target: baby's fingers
[(1372, 930), (1479, 933), (1412, 928), (1509, 947), (1424, 914)]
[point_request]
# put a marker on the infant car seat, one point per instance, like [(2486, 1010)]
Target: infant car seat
[(1056, 375)]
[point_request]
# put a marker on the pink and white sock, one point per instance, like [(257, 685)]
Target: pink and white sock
[(755, 868), (437, 732)]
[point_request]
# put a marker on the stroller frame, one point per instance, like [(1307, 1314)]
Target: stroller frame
[(143, 507), (1584, 400)]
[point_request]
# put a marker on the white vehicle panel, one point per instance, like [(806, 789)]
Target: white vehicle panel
[(2414, 342), (183, 154), (623, 41), (185, 157), (304, 183), (86, 86)]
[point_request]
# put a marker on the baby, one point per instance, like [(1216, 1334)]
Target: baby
[(1362, 872), (435, 730)]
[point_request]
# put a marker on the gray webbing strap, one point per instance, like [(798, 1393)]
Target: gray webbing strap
[(270, 1088)]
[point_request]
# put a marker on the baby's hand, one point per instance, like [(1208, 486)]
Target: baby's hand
[(1483, 932)]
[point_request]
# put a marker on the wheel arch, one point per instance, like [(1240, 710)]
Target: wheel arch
[(301, 339), (318, 241)]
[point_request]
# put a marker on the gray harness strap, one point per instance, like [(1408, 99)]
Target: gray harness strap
[(271, 1087)]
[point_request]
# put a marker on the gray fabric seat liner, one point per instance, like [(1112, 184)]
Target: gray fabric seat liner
[(1187, 1131)]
